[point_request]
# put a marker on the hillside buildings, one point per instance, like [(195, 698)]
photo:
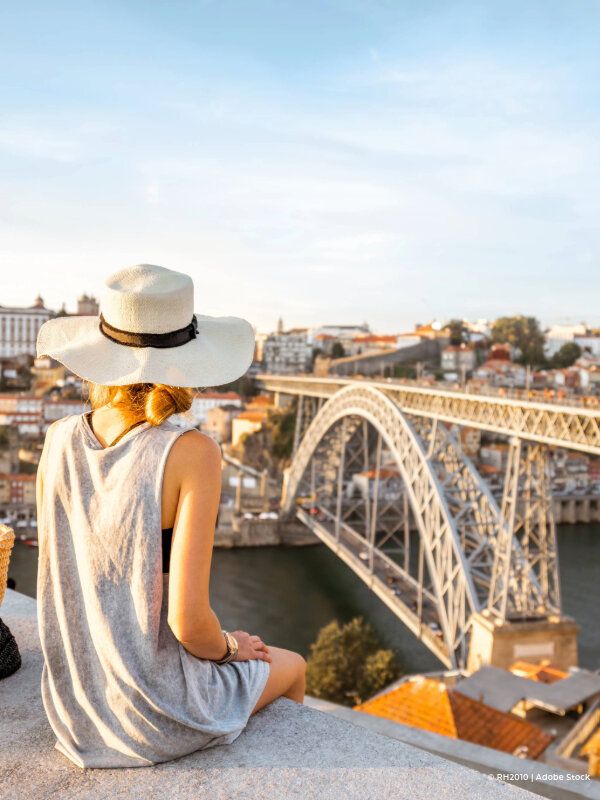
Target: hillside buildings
[(203, 403), (586, 338), (287, 352), (19, 328)]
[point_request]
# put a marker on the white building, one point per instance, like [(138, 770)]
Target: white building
[(25, 412), (456, 358), (87, 305), (558, 335), (201, 405), (60, 408), (287, 352), (589, 343), (340, 332), (19, 328)]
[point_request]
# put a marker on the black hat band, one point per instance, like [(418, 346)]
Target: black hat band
[(169, 339)]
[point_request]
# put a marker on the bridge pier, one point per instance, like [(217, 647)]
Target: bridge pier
[(500, 644), (525, 580)]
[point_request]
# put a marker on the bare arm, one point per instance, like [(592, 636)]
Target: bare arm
[(196, 460), (195, 465), (39, 480)]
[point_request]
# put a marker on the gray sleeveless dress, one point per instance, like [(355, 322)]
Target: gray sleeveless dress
[(118, 688)]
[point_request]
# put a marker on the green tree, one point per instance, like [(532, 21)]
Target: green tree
[(283, 424), (566, 356), (525, 334), (346, 664), (458, 332), (405, 371), (337, 351)]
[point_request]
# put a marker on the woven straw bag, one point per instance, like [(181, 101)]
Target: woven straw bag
[(7, 539), (10, 658)]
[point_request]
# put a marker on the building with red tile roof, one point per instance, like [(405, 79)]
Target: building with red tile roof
[(544, 672), (430, 705)]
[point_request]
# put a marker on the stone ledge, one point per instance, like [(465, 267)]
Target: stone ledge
[(286, 751), (553, 783)]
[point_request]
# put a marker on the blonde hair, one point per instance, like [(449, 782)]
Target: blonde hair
[(154, 402)]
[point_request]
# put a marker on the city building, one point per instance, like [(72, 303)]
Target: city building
[(22, 411), (46, 373), (287, 352), (390, 485), (432, 330), (87, 306), (432, 706), (341, 333), (58, 408), (458, 359), (219, 422), (479, 330), (11, 371), (202, 403), (19, 328), (246, 422), (494, 455), (369, 343), (17, 489), (500, 370), (470, 441), (32, 415), (559, 335)]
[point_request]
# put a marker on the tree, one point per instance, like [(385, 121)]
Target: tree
[(525, 334), (317, 351), (346, 664), (458, 332), (337, 351), (566, 356), (405, 371), (284, 424)]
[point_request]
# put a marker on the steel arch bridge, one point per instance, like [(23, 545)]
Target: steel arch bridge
[(389, 490)]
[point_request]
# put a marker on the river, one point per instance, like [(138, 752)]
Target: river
[(286, 594)]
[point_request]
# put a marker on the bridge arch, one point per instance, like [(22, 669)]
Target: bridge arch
[(454, 591)]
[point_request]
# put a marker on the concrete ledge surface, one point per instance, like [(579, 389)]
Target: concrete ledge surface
[(286, 751)]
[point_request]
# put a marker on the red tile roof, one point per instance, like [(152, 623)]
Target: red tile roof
[(430, 705), (252, 416), (372, 337), (544, 672)]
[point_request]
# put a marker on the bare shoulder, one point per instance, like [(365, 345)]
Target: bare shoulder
[(194, 448)]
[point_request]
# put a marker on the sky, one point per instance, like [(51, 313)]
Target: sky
[(335, 162)]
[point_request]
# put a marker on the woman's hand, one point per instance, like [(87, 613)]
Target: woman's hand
[(250, 647)]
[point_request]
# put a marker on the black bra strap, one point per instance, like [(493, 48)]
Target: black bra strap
[(130, 428), (120, 436)]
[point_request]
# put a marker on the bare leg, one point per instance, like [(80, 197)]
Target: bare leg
[(286, 677)]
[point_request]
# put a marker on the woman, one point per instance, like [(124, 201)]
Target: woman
[(137, 668)]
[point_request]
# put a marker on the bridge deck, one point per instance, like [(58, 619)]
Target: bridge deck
[(385, 579), (564, 424)]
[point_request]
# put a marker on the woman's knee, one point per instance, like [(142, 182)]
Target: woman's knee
[(298, 662), (293, 663), (286, 677)]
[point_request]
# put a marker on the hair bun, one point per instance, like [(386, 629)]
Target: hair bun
[(162, 401)]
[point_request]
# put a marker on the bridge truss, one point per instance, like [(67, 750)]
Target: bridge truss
[(392, 494)]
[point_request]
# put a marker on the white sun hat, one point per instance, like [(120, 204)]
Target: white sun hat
[(147, 332)]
